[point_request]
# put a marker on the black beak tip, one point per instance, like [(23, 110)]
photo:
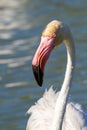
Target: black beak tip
[(38, 74)]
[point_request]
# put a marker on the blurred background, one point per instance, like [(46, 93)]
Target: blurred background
[(21, 24)]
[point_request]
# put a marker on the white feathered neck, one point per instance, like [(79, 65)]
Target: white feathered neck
[(64, 92)]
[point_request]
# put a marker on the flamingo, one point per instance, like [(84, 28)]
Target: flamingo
[(55, 111)]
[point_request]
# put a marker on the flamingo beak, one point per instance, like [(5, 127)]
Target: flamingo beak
[(38, 74), (41, 56)]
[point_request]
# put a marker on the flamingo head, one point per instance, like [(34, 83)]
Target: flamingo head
[(51, 37)]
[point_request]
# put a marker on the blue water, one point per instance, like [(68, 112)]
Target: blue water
[(21, 24)]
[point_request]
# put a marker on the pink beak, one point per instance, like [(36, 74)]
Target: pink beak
[(41, 56)]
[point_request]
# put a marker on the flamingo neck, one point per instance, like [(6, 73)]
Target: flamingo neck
[(63, 95)]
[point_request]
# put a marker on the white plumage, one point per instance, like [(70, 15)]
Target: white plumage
[(42, 114)]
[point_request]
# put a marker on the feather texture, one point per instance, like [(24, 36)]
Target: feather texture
[(41, 114)]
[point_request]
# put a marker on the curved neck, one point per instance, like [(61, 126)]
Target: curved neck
[(63, 95)]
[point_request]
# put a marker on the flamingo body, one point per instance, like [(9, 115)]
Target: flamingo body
[(42, 114), (54, 111)]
